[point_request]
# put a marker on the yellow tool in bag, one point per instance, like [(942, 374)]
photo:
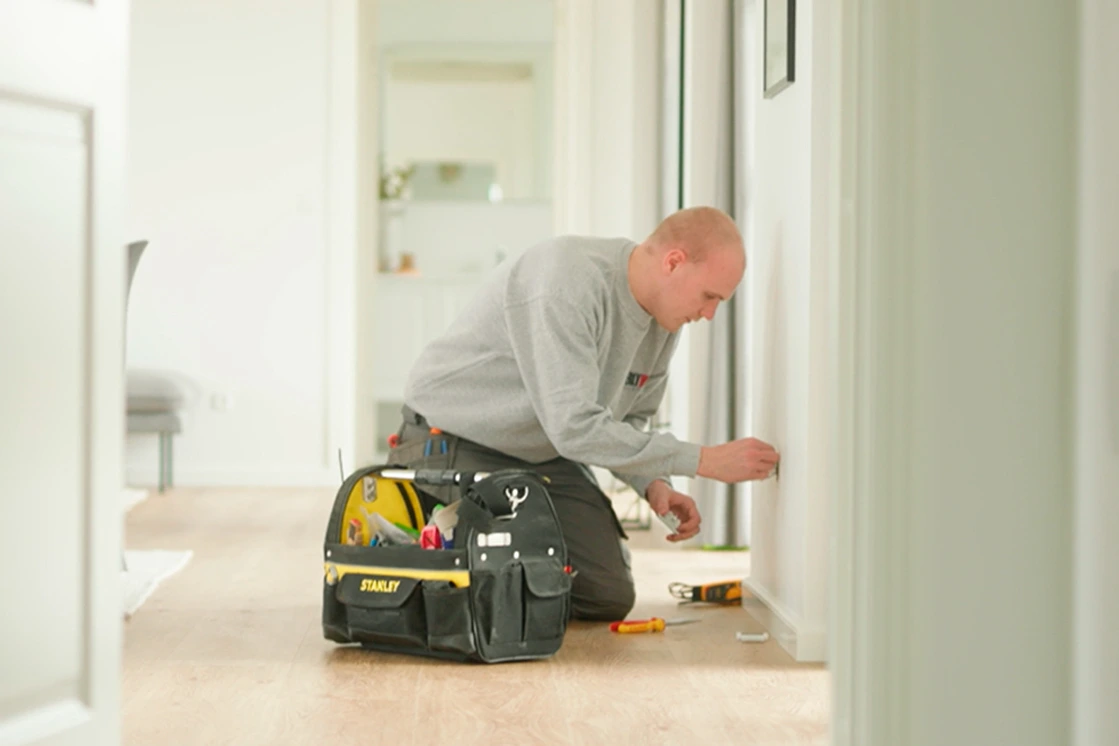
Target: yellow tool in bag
[(368, 493)]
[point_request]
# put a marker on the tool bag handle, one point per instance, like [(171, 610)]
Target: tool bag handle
[(477, 510), (495, 500), (436, 477)]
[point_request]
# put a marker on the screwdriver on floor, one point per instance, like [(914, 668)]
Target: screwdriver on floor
[(655, 624)]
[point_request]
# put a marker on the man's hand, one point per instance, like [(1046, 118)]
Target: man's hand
[(663, 499), (738, 461)]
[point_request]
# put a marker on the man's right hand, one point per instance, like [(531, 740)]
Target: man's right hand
[(738, 461)]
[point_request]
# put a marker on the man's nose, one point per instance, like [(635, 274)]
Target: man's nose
[(709, 311)]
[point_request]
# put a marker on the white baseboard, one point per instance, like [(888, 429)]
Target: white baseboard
[(806, 643)]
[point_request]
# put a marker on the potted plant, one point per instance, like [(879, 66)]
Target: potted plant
[(394, 190)]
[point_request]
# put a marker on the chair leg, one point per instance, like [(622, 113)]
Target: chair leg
[(162, 461), (170, 479)]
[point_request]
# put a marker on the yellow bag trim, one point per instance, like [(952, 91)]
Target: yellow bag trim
[(461, 578)]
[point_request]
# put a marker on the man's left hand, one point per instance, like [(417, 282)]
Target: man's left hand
[(663, 499)]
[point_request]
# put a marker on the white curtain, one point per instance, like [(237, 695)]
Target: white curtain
[(701, 169)]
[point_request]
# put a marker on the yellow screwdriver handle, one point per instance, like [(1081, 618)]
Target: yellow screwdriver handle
[(656, 624)]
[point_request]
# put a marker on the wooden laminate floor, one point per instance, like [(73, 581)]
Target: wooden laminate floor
[(230, 651)]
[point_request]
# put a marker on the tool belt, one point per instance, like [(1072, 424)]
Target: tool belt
[(484, 578)]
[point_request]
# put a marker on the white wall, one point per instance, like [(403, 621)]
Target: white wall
[(962, 141), (1096, 569), (624, 119), (484, 30), (364, 264), (607, 159), (454, 21), (786, 291), (481, 122), (228, 179), (458, 239), (991, 303)]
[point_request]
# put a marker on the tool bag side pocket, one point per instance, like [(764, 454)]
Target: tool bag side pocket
[(397, 598), (547, 599), (384, 609), (498, 598), (450, 623), (518, 560)]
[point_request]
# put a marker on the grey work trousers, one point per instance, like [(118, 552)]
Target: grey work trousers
[(602, 588)]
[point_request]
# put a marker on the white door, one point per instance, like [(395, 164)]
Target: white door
[(62, 271)]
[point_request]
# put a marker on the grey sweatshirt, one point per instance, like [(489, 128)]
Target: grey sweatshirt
[(555, 357)]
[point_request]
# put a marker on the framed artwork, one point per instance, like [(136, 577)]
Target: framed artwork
[(779, 46)]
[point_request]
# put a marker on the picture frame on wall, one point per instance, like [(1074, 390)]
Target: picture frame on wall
[(779, 46)]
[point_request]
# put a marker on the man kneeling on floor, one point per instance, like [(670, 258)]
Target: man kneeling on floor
[(560, 363)]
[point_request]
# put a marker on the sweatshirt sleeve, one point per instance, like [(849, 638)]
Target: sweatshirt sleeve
[(553, 342)]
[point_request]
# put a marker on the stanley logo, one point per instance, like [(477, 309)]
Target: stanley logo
[(369, 585)]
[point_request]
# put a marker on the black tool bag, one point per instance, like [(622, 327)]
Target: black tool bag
[(502, 592)]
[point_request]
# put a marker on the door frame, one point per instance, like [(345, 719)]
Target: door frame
[(71, 58), (883, 46), (871, 282)]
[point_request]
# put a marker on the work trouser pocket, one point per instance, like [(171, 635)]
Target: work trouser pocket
[(407, 453), (420, 449)]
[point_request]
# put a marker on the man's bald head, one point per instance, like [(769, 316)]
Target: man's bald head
[(693, 261), (698, 231)]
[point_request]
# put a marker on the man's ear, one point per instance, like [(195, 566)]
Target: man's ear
[(674, 258)]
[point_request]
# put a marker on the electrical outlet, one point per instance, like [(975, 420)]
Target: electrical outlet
[(221, 402)]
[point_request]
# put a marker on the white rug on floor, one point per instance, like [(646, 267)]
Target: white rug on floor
[(132, 496), (146, 570)]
